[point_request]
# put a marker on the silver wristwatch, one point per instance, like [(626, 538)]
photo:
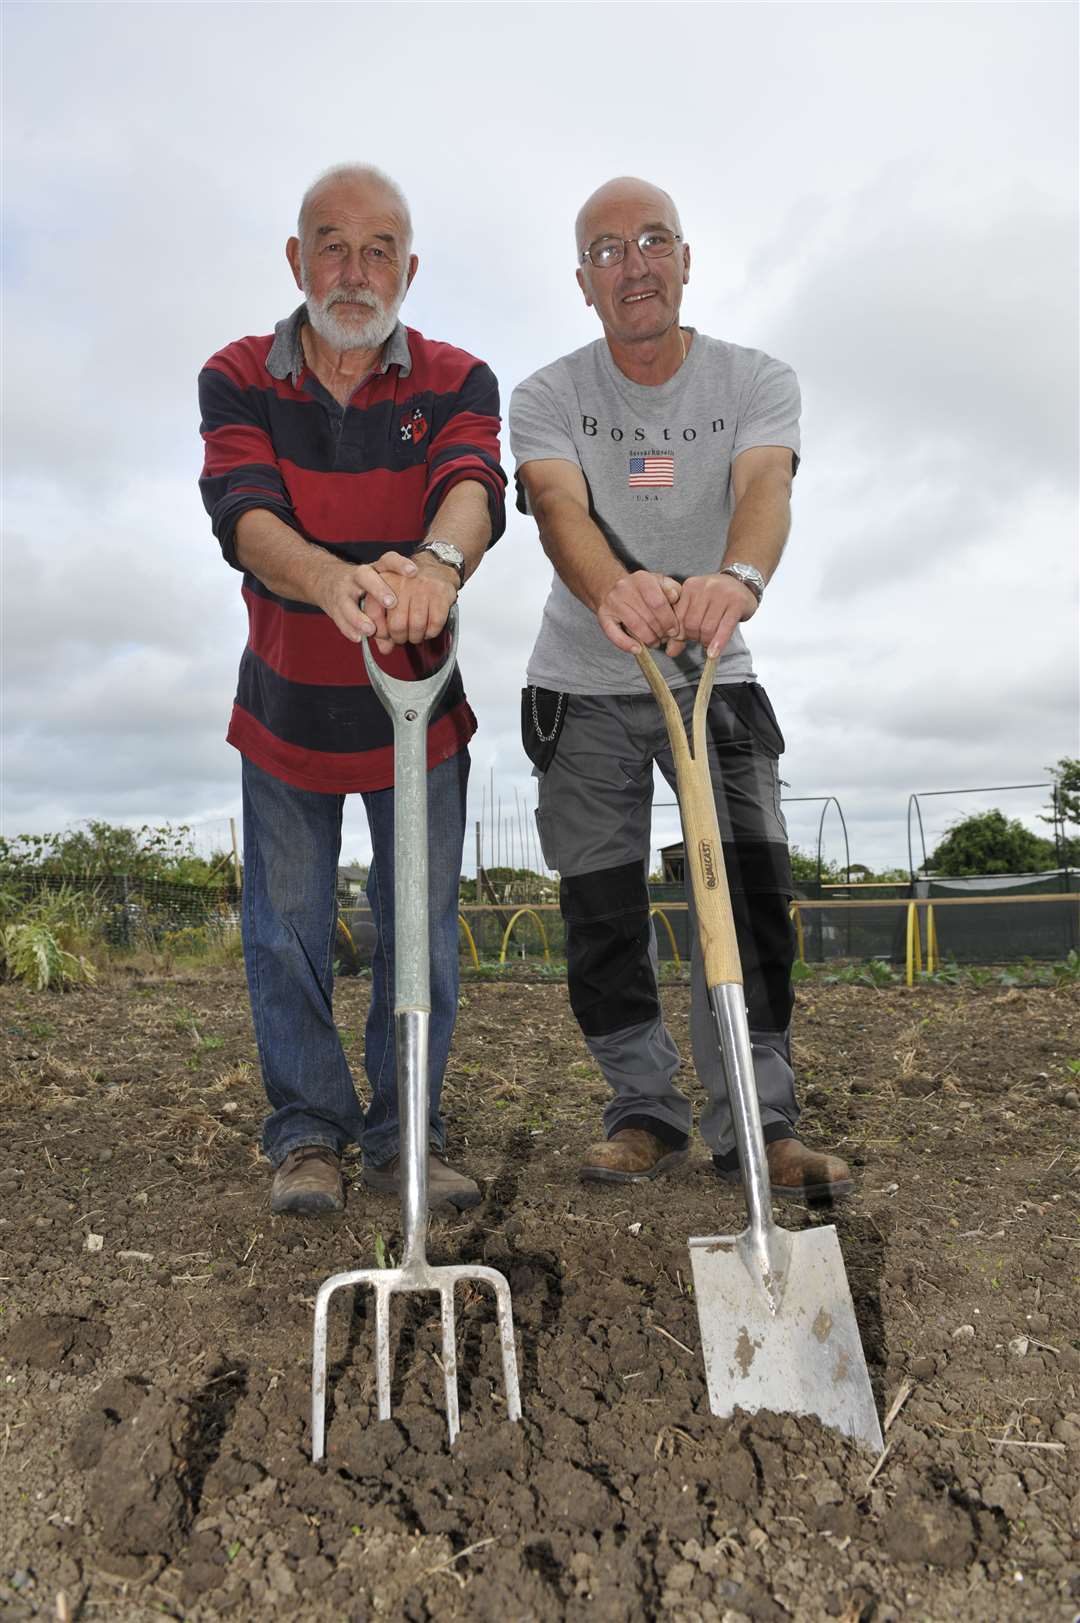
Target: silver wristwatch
[(447, 553), (749, 576)]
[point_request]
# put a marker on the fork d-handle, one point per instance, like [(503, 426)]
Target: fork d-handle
[(716, 929), (409, 705)]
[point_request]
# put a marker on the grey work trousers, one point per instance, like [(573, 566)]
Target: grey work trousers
[(594, 820)]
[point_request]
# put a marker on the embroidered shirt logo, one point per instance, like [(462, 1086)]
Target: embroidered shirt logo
[(413, 427), (651, 471)]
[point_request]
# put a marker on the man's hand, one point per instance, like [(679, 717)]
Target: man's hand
[(710, 608), (338, 588), (640, 609), (423, 598)]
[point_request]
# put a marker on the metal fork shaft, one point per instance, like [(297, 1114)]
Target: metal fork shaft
[(411, 1047)]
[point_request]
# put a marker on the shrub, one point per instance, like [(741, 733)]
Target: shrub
[(41, 940)]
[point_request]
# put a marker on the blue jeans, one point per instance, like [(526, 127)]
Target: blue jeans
[(292, 843)]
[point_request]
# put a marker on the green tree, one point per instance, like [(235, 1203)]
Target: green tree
[(1065, 806), (97, 849), (1066, 776), (989, 842), (804, 868)]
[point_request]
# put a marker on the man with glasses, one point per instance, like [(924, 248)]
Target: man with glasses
[(352, 473), (658, 464)]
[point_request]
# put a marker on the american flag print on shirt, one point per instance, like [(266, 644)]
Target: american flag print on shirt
[(651, 471)]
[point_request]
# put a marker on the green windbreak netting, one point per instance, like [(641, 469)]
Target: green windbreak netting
[(129, 911), (992, 927), (996, 929)]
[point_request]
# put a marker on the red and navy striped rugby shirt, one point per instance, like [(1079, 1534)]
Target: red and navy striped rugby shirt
[(359, 480)]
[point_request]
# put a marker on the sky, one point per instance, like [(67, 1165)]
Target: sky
[(884, 196)]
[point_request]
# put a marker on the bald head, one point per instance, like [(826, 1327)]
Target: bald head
[(614, 195), (363, 177)]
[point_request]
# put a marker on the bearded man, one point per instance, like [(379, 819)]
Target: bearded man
[(352, 474)]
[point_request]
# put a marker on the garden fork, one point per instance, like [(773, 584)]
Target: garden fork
[(409, 705)]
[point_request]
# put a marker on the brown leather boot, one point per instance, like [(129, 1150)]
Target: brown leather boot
[(448, 1189), (800, 1174), (308, 1181), (631, 1155)]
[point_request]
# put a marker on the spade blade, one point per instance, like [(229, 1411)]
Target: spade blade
[(799, 1355)]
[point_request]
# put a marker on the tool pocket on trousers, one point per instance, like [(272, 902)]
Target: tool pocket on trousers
[(543, 712)]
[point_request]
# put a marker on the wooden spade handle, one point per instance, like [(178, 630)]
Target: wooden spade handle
[(701, 833)]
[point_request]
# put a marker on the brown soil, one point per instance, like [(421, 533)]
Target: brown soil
[(154, 1437)]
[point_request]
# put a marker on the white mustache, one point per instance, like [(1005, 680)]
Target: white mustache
[(366, 299)]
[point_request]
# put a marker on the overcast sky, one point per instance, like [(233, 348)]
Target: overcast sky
[(882, 195)]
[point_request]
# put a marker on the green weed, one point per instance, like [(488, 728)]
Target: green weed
[(384, 1257), (875, 973), (32, 953)]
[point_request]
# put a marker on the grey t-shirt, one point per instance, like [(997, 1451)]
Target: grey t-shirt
[(657, 463)]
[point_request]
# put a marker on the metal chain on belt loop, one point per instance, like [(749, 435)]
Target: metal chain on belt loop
[(546, 738)]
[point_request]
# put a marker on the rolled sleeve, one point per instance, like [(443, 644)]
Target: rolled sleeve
[(240, 468), (465, 445)]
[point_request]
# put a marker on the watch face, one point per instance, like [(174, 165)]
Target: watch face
[(448, 554)]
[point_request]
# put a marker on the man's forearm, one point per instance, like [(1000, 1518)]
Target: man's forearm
[(463, 518), (294, 568), (280, 558), (759, 526), (577, 548)]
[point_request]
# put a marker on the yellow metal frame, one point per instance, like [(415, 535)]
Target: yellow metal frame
[(539, 925), (463, 921), (658, 912), (798, 907), (914, 943)]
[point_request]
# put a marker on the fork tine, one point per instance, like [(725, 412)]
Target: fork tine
[(418, 1277), (382, 1348), (318, 1377), (449, 1359), (509, 1353)]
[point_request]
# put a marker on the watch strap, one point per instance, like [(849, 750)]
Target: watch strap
[(748, 575)]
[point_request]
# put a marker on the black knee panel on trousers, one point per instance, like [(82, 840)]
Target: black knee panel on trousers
[(759, 877), (611, 980)]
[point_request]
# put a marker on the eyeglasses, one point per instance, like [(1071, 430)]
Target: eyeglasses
[(606, 252)]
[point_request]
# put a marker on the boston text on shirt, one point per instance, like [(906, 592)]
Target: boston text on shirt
[(590, 427)]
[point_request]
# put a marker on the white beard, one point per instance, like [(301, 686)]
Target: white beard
[(348, 333)]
